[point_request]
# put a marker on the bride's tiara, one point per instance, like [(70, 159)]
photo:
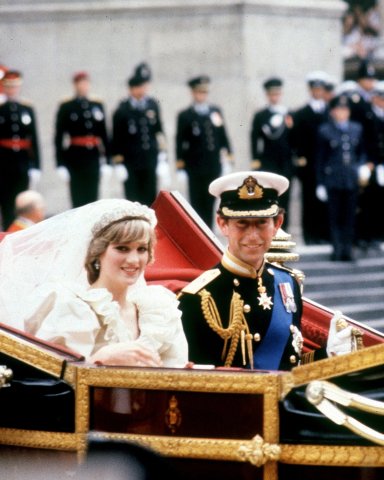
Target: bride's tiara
[(125, 210)]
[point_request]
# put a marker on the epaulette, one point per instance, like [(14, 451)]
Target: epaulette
[(201, 281), (294, 272), (96, 99), (25, 102), (66, 99)]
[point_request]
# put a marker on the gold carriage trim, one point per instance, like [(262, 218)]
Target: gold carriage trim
[(273, 210)]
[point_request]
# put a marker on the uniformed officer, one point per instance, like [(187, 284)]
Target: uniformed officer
[(270, 137), (246, 312), (19, 151), (339, 158), (370, 232), (81, 141), (202, 144), (306, 121), (366, 80), (138, 137)]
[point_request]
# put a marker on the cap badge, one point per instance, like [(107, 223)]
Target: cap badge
[(250, 189)]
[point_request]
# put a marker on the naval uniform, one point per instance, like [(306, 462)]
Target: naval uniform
[(306, 122), (340, 153), (369, 230), (137, 134), (271, 146), (80, 140), (19, 152), (272, 332), (201, 137)]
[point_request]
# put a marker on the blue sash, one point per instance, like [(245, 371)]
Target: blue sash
[(270, 351)]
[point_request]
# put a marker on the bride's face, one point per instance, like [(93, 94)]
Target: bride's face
[(123, 262)]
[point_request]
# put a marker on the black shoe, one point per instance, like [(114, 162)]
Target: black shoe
[(346, 257), (335, 257)]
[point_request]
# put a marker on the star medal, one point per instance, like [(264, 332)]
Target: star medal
[(264, 300)]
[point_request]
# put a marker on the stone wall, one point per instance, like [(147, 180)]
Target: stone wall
[(238, 43)]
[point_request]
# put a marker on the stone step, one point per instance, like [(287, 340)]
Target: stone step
[(355, 288)]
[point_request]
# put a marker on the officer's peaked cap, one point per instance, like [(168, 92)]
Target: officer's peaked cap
[(200, 82), (317, 78), (272, 83), (339, 101), (249, 194)]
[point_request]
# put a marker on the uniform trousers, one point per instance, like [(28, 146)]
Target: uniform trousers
[(141, 185), (201, 200), (84, 183), (342, 206), (12, 182)]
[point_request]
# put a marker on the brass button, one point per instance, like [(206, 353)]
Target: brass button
[(292, 359), (246, 308), (236, 282), (257, 337)]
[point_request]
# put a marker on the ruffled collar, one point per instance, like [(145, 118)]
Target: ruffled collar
[(107, 310)]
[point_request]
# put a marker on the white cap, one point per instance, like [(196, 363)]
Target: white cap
[(249, 193)]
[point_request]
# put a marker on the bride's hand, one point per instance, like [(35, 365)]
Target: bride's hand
[(126, 354)]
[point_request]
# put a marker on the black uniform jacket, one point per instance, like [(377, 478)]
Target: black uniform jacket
[(18, 124), (306, 123), (206, 346), (270, 142), (135, 133), (200, 139), (78, 119), (339, 155)]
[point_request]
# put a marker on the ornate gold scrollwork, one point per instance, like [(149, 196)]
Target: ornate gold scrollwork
[(258, 452), (6, 375), (323, 395)]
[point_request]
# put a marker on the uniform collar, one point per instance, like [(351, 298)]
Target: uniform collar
[(201, 108), (238, 267)]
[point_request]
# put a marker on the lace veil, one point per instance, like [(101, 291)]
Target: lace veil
[(53, 250)]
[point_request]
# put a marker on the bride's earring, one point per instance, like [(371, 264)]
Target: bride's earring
[(96, 264)]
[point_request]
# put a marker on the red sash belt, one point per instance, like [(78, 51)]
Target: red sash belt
[(87, 141), (15, 144)]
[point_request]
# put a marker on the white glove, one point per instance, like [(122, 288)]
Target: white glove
[(181, 178), (380, 175), (163, 171), (34, 175), (321, 193), (63, 174), (364, 174), (339, 341), (106, 171), (226, 167), (121, 172)]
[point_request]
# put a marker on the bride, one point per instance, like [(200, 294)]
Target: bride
[(77, 279)]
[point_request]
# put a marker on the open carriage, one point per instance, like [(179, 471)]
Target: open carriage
[(319, 420)]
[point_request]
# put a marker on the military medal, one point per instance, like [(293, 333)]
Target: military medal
[(288, 297)]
